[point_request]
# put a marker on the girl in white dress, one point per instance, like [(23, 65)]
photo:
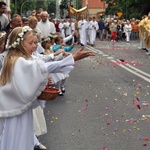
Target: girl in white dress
[(60, 54), (21, 81)]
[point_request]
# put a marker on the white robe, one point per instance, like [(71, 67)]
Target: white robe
[(46, 28), (128, 29), (29, 78), (93, 27), (62, 29), (82, 25)]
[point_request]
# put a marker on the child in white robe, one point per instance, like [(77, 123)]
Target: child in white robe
[(59, 77), (21, 81)]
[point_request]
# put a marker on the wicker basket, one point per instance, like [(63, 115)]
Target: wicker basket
[(49, 93)]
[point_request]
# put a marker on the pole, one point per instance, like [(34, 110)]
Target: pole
[(22, 7), (15, 6), (126, 9)]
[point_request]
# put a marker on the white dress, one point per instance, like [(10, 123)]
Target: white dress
[(93, 26), (82, 25), (28, 79), (39, 122)]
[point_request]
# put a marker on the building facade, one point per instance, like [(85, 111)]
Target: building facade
[(95, 7)]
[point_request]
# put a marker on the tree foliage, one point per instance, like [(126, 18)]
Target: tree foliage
[(22, 6), (129, 8)]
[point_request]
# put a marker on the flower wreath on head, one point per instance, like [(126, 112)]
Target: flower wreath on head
[(25, 29), (2, 34), (52, 36), (45, 39)]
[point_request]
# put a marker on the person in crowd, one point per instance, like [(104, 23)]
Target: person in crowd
[(119, 30), (62, 27), (39, 122), (101, 29), (57, 79), (68, 30), (123, 30), (113, 27), (33, 24), (59, 44), (93, 26), (107, 30), (25, 21), (135, 30), (40, 10), (2, 41), (16, 21), (128, 29), (16, 107), (33, 13), (73, 30), (88, 30), (38, 16), (142, 33), (147, 33), (45, 25), (56, 23), (82, 26), (4, 21), (46, 44), (3, 37)]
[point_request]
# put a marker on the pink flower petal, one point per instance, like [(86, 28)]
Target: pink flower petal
[(84, 108), (108, 122), (104, 148)]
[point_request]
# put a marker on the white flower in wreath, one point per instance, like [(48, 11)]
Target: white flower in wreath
[(18, 40), (21, 34), (14, 45), (26, 28)]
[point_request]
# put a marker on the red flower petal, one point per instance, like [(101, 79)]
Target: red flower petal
[(86, 100), (137, 99), (138, 106), (146, 139)]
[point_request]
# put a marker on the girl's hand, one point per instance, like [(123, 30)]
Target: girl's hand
[(66, 54), (80, 54)]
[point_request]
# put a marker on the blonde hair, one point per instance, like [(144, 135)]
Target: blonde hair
[(13, 54), (32, 20)]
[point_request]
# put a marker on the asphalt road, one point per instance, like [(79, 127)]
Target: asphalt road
[(107, 102)]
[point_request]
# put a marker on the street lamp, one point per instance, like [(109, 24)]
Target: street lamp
[(22, 6)]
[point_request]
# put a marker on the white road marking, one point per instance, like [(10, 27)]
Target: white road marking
[(125, 66)]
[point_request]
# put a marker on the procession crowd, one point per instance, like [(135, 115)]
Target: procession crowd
[(36, 51)]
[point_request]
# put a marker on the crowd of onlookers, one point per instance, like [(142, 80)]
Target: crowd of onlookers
[(119, 29)]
